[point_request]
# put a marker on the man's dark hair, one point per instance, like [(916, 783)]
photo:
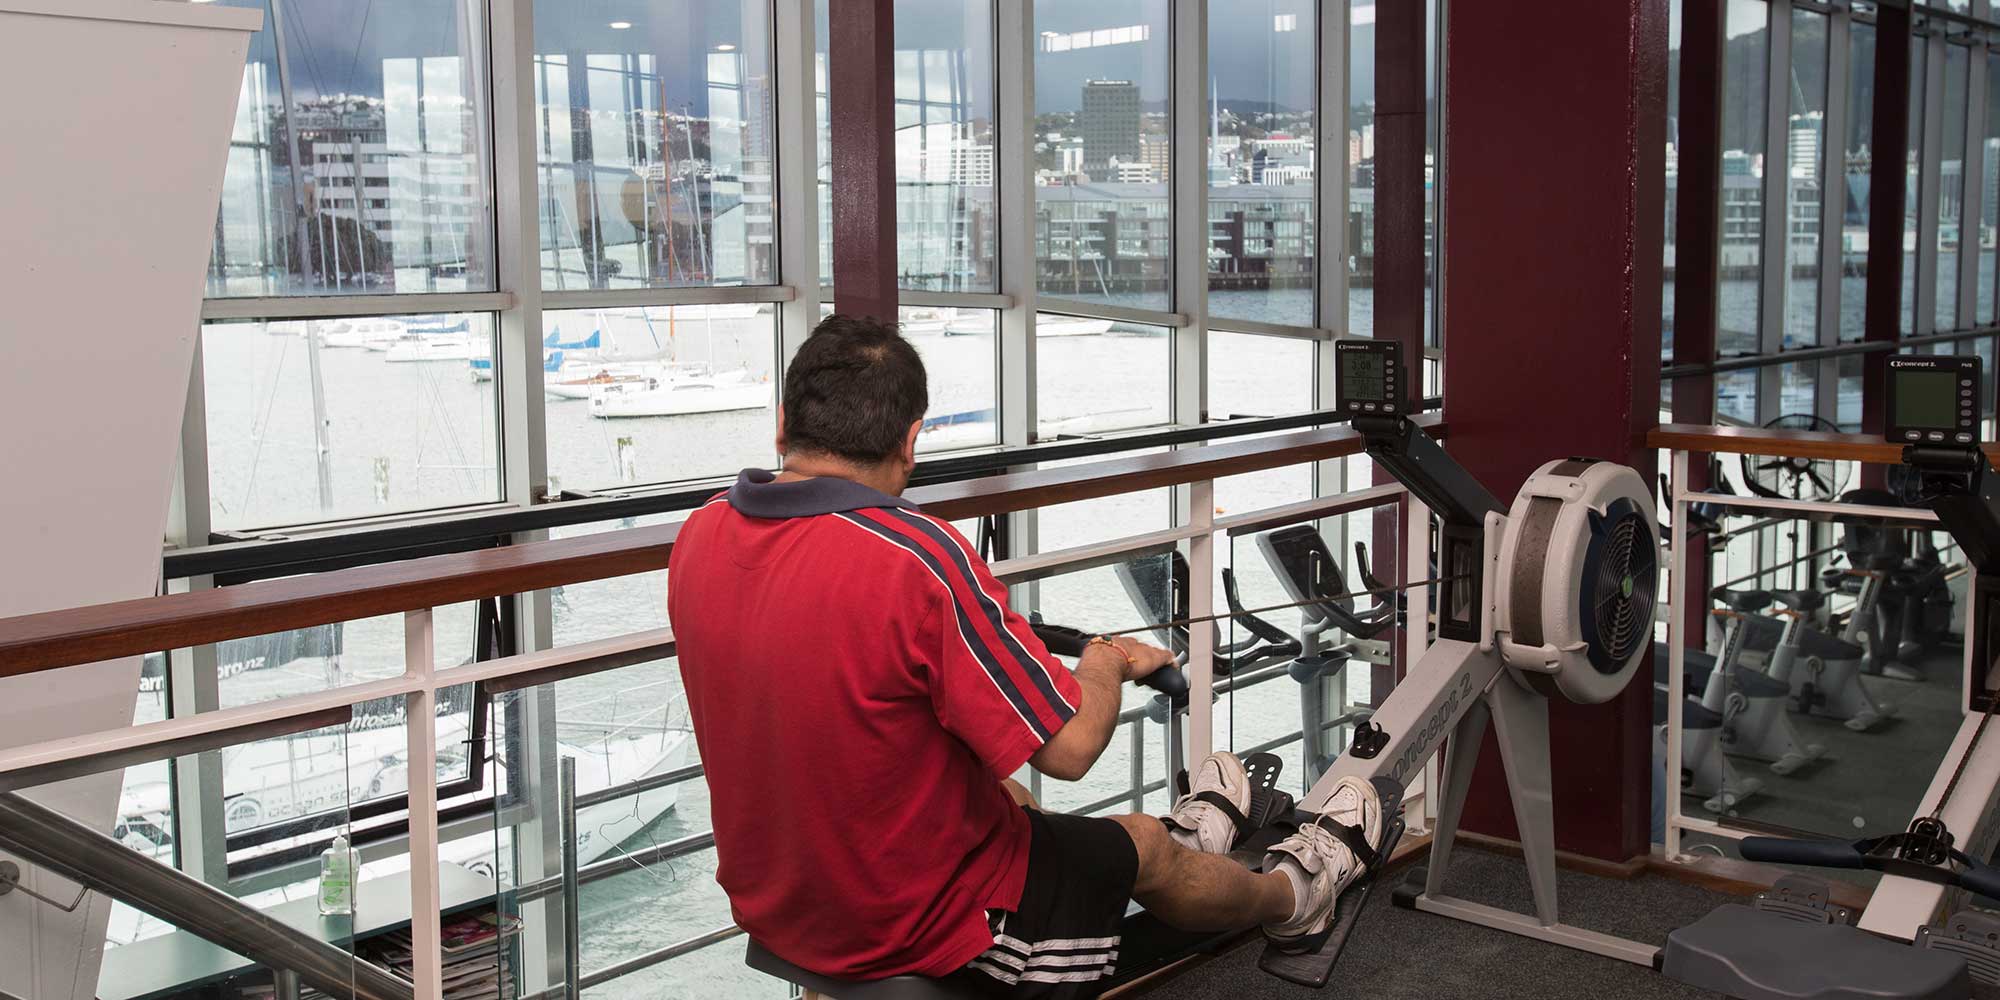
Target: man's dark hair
[(853, 390)]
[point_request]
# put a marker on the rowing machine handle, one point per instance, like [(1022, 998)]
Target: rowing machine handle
[(1982, 880), (1816, 853), (1065, 641)]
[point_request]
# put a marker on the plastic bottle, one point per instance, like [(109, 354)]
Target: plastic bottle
[(336, 879)]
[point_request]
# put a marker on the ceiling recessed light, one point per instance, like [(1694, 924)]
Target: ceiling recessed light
[(725, 47), (620, 25)]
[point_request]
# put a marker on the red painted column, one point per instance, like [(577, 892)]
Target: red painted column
[(1555, 129), (1697, 264), (861, 94), (1398, 296), (1889, 144)]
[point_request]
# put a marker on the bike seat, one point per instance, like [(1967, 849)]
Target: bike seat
[(1741, 952), (1800, 600), (760, 958), (1693, 716), (1746, 601)]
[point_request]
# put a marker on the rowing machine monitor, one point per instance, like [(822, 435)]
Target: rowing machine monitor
[(1371, 378), (1934, 400)]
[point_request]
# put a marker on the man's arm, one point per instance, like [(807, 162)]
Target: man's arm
[(1101, 671)]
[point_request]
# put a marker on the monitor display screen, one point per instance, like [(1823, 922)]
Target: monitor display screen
[(1363, 376), (1926, 398)]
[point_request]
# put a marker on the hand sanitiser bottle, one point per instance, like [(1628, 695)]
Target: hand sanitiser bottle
[(336, 879)]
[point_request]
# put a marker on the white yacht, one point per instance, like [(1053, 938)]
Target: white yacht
[(674, 396)]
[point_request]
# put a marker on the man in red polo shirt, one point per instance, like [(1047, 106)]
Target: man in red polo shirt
[(862, 693)]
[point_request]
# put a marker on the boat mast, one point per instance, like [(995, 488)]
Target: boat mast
[(321, 447)]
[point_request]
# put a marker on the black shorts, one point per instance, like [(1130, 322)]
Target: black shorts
[(1061, 942)]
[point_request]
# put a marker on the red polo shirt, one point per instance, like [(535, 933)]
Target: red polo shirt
[(859, 687)]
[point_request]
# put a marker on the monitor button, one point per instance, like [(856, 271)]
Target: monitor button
[(1964, 438), (1913, 435), (1936, 435)]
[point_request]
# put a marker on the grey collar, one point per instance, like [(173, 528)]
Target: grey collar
[(757, 493)]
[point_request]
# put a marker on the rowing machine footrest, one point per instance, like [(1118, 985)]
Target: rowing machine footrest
[(1311, 962), (1803, 898), (1971, 934)]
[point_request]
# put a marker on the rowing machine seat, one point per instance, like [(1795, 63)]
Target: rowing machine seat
[(1757, 955), (760, 958)]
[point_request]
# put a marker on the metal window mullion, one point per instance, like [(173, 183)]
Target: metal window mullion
[(797, 153), (1775, 275), (1189, 193), (1929, 161), (1106, 310), (192, 684), (518, 353), (1330, 286), (694, 296), (280, 307), (1972, 188), (1832, 209), (1018, 360), (970, 300)]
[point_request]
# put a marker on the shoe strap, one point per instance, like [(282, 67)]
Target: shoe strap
[(1356, 840), (1236, 817)]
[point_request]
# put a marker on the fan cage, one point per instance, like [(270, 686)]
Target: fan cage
[(1621, 578)]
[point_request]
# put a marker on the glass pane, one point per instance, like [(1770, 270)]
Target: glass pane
[(1103, 89), (1989, 207), (1854, 214), (961, 362), (1130, 776), (357, 162), (1912, 180), (1951, 185), (945, 226), (1804, 170), (1877, 651), (145, 955), (1743, 167), (1094, 375), (1796, 384), (1262, 112), (1256, 376), (653, 135), (1673, 160), (318, 420), (647, 394), (1298, 696), (1848, 399), (1736, 396)]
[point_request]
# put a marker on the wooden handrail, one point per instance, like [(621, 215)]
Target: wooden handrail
[(30, 643), (1783, 443)]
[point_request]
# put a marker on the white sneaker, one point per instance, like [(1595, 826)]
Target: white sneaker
[(1203, 826), (1320, 864)]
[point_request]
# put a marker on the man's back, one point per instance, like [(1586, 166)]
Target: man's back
[(858, 690)]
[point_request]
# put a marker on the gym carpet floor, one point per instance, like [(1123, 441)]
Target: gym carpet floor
[(1398, 954)]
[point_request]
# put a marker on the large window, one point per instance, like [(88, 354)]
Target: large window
[(1951, 186), (317, 420), (1103, 159), (654, 142), (1805, 166), (1742, 251), (1263, 120), (357, 162), (646, 394), (1854, 259)]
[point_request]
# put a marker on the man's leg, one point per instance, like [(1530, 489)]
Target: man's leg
[(1202, 892)]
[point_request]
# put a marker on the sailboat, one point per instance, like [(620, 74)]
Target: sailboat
[(670, 395)]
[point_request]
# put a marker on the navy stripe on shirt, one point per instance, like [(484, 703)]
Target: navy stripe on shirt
[(973, 642), (1037, 671)]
